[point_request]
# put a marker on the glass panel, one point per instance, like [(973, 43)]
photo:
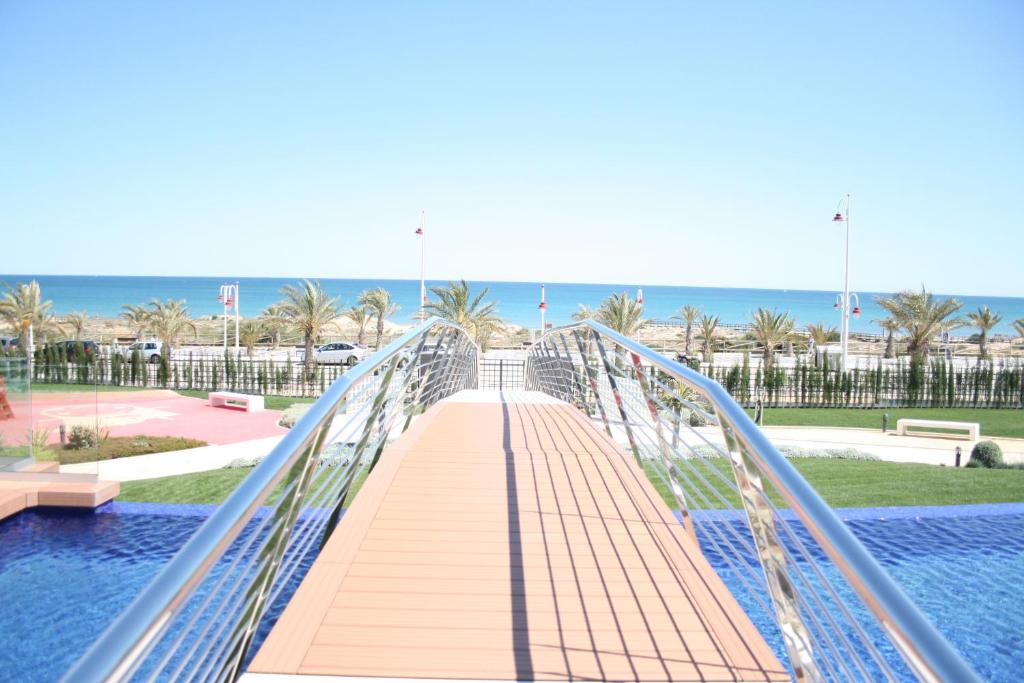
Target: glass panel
[(15, 412), (64, 428)]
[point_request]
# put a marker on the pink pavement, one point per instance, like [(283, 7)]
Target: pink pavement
[(155, 412)]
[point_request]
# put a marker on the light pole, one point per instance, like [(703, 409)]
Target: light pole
[(640, 303), (844, 304), (238, 296), (229, 297), (423, 285), (543, 309)]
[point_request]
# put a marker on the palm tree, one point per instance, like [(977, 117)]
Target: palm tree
[(984, 319), (583, 312), (308, 308), (76, 322), (360, 316), (708, 333), (168, 321), (23, 309), (137, 318), (1018, 327), (822, 334), (621, 313), (689, 315), (771, 329), (455, 303), (274, 323), (250, 332), (922, 317), (381, 307), (890, 327)]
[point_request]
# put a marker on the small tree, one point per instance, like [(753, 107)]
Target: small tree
[(984, 319), (708, 333), (360, 317), (249, 334), (379, 302), (689, 315), (770, 329)]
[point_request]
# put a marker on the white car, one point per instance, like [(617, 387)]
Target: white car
[(150, 350), (340, 352)]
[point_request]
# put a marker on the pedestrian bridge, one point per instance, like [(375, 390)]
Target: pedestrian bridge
[(586, 528)]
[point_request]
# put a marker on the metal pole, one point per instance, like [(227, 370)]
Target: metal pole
[(225, 316), (423, 285), (237, 294), (543, 309), (845, 342)]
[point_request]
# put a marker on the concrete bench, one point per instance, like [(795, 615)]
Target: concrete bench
[(973, 429), (224, 399)]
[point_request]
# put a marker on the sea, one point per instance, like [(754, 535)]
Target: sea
[(517, 302)]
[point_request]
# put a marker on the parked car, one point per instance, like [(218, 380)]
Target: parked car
[(89, 347), (340, 352), (8, 344), (150, 350)]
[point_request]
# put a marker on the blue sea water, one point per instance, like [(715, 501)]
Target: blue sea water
[(517, 301), (65, 574)]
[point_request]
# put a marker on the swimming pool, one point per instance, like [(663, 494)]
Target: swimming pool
[(64, 575), (962, 565)]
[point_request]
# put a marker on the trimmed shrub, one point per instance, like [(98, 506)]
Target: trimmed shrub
[(697, 419), (292, 414), (986, 454), (81, 437)]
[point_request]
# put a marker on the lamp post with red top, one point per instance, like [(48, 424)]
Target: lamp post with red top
[(845, 303), (543, 308), (423, 283)]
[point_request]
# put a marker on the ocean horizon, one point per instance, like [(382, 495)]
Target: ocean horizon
[(104, 295)]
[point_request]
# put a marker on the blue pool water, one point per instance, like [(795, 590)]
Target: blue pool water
[(962, 565), (65, 574)]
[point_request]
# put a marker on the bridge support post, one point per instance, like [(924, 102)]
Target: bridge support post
[(427, 376), (592, 376), (665, 449), (609, 370), (773, 560), (296, 484), (575, 377)]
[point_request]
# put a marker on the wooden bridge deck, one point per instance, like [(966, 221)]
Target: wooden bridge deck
[(512, 541)]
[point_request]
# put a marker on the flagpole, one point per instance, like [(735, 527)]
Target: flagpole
[(543, 309), (423, 285), (237, 295), (640, 302)]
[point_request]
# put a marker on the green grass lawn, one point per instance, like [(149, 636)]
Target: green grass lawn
[(843, 483), (199, 488), (269, 402), (83, 388), (1008, 422)]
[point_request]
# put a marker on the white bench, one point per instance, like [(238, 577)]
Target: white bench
[(224, 399), (973, 429)]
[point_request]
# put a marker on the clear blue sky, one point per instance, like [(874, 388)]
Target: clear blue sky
[(661, 143)]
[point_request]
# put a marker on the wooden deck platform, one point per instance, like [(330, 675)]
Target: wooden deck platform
[(39, 485), (512, 541)]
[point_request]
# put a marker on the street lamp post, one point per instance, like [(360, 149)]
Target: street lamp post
[(423, 285), (543, 307), (844, 304)]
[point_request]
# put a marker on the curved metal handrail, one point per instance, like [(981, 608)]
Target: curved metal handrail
[(926, 650), (118, 650)]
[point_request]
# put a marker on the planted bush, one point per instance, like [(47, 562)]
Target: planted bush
[(697, 419), (986, 454), (81, 437)]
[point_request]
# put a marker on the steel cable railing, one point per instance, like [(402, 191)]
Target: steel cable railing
[(810, 586), (201, 617)]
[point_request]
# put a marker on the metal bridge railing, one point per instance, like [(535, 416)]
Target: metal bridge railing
[(811, 587), (197, 620)]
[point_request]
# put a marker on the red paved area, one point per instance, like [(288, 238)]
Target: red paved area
[(156, 413)]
